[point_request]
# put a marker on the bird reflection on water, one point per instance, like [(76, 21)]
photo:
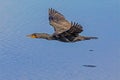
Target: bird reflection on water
[(89, 65)]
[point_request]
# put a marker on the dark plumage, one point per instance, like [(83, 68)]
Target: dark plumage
[(64, 30), (58, 21)]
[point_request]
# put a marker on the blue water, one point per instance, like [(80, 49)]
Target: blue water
[(23, 58)]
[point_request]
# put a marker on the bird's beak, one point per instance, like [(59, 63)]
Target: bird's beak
[(31, 36), (28, 35)]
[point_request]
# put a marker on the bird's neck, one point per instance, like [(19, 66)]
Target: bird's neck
[(44, 36)]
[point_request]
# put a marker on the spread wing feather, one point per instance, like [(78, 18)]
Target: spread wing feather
[(58, 21), (75, 28), (73, 31)]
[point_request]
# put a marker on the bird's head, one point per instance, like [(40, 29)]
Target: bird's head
[(40, 35), (34, 35)]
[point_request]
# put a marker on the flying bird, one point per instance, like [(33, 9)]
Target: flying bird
[(65, 31)]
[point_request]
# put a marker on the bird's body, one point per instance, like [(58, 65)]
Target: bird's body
[(64, 30)]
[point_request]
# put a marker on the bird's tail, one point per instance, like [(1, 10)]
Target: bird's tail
[(81, 38)]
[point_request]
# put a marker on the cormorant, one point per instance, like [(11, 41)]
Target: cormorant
[(65, 31)]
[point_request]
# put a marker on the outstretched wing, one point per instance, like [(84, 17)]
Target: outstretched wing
[(74, 30), (58, 21)]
